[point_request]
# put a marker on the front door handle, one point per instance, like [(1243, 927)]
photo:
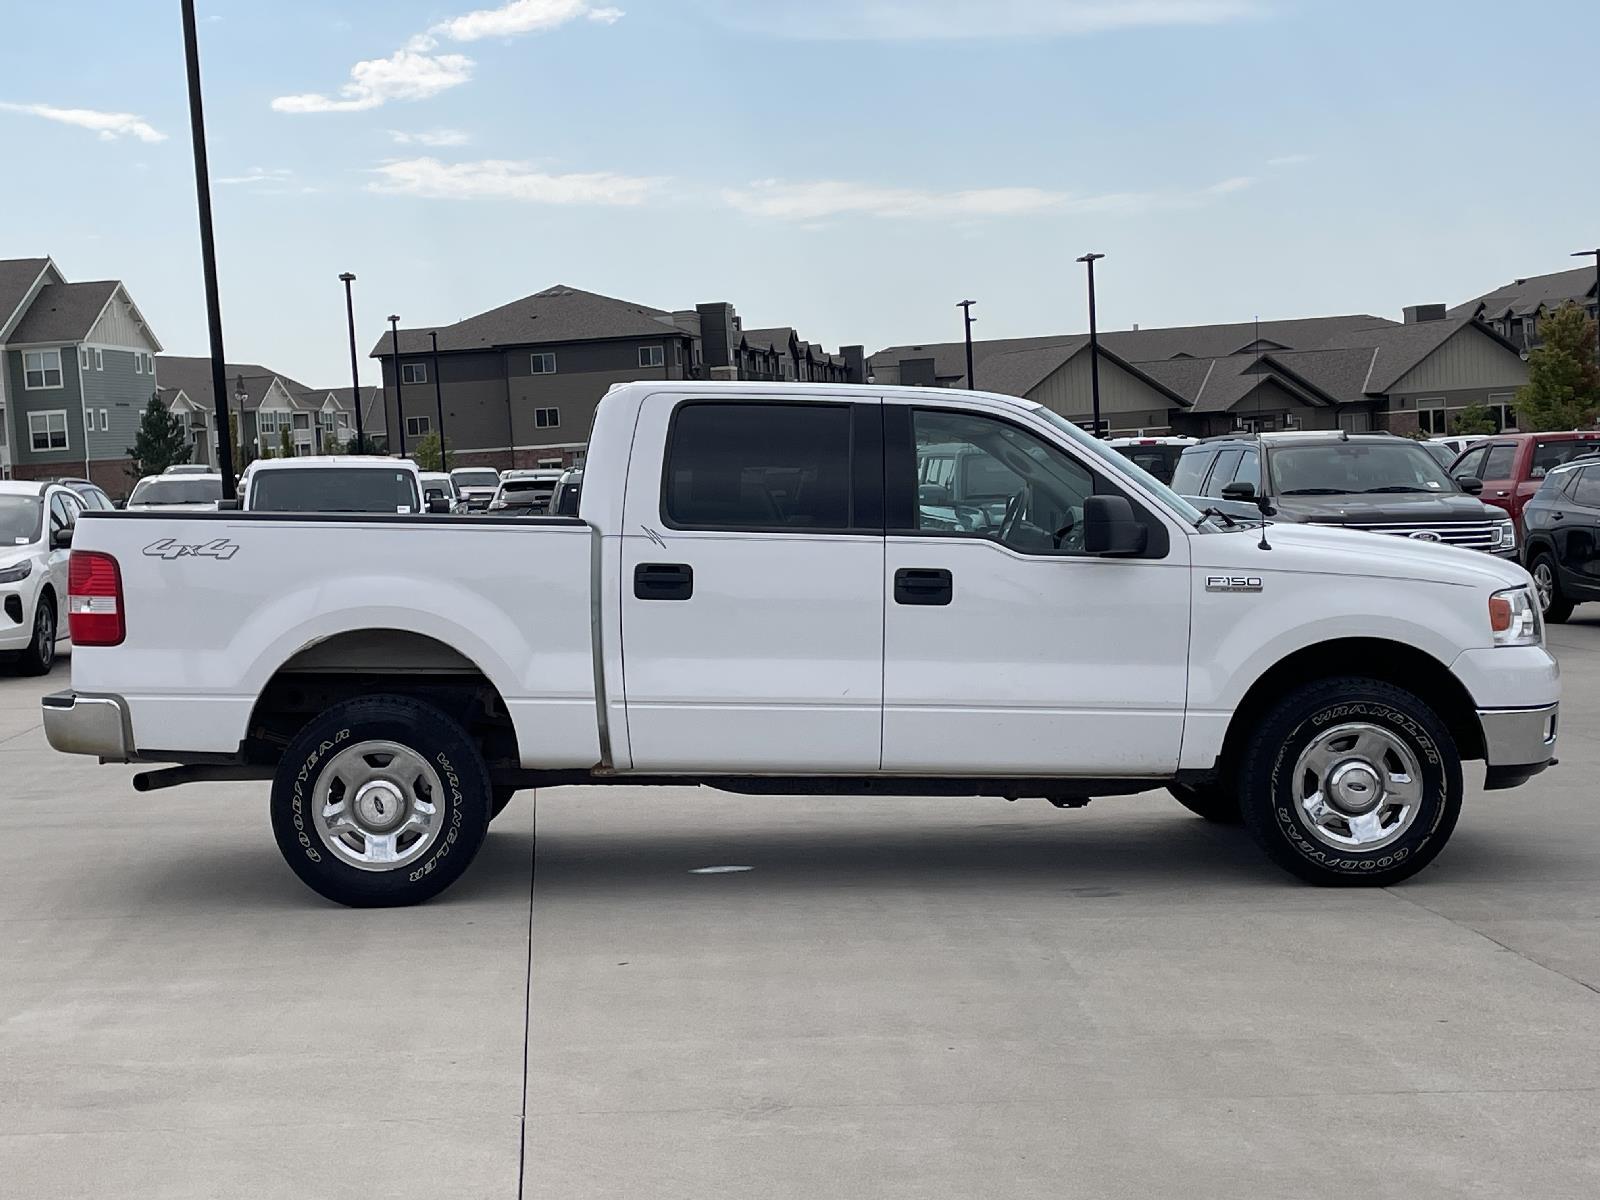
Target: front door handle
[(1502, 493), (931, 586), (663, 581)]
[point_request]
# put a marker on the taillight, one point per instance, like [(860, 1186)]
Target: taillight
[(94, 599)]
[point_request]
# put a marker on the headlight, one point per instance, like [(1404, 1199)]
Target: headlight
[(17, 573), (1505, 536), (1514, 618)]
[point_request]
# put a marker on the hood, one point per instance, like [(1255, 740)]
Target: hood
[(1328, 550), (1384, 507)]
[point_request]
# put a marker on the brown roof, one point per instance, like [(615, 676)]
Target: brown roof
[(64, 312)]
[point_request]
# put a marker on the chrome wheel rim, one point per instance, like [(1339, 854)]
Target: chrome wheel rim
[(1544, 583), (44, 632), (377, 806), (1358, 787)]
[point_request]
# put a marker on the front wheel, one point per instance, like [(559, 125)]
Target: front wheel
[(381, 801), (40, 655), (1547, 586), (1351, 781)]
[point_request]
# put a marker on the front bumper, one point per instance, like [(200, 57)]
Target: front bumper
[(16, 617), (95, 725), (1518, 743)]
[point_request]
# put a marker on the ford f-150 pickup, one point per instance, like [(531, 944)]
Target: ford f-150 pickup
[(770, 589)]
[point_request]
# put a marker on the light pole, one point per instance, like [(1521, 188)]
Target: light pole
[(208, 248), (399, 396), (355, 372), (438, 399), (966, 315), (1094, 341), (1594, 254)]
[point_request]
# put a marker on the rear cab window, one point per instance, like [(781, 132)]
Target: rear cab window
[(334, 490)]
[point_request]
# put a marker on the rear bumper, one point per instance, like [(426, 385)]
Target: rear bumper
[(1518, 743), (94, 725)]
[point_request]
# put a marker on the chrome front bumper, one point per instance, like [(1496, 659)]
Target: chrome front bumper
[(1518, 743), (96, 725)]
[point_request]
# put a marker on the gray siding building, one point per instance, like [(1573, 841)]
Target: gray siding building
[(1515, 310), (519, 384)]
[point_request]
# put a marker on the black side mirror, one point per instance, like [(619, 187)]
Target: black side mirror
[(1110, 528), (438, 504), (1239, 489), (61, 539), (1470, 484), (227, 506), (119, 505)]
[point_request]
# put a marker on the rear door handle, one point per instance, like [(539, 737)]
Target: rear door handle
[(663, 581), (932, 586)]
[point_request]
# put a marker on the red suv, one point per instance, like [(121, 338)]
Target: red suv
[(1513, 465)]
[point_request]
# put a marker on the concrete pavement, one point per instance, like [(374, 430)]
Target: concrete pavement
[(935, 998)]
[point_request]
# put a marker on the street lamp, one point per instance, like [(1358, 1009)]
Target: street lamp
[(399, 396), (1094, 341), (438, 399), (355, 372), (208, 247), (966, 315), (1595, 254)]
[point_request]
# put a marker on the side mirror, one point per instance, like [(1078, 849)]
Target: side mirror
[(61, 539), (227, 505), (1239, 489), (119, 505), (438, 504), (1110, 528), (1470, 484)]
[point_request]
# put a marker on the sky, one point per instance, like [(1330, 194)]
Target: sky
[(850, 167)]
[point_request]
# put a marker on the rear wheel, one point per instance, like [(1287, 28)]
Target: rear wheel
[(1351, 781), (1213, 801), (40, 655), (381, 801), (1547, 586)]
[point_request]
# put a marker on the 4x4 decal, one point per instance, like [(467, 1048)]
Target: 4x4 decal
[(168, 549)]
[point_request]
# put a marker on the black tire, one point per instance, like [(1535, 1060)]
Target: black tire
[(40, 655), (1559, 608), (460, 803), (1213, 801), (1267, 782), (503, 796)]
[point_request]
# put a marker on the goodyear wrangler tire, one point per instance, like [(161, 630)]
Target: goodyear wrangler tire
[(1351, 781), (381, 801)]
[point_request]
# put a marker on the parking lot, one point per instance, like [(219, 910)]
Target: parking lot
[(897, 998)]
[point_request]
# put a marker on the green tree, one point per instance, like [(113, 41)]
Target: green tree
[(244, 449), (367, 445), (1473, 419), (426, 453), (161, 442), (1563, 388), (285, 442)]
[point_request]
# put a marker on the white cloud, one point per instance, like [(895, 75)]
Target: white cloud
[(430, 137), (818, 200), (414, 72), (502, 180), (259, 175), (1289, 160), (109, 125), (929, 19), (404, 75)]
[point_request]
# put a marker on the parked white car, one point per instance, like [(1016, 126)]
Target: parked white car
[(176, 491), (525, 492), (476, 486), (757, 596), (1459, 444), (347, 483), (36, 527), (437, 483)]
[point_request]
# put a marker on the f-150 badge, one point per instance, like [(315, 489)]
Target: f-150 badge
[(168, 549), (1233, 583)]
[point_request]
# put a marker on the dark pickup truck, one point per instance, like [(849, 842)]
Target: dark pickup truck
[(1373, 481)]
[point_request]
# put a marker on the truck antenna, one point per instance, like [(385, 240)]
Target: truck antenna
[(1261, 449)]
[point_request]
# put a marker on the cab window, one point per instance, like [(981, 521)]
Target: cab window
[(1191, 473), (1470, 465), (1502, 459)]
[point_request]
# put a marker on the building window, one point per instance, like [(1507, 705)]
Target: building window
[(138, 364), (41, 369), (651, 356), (99, 361), (547, 418), (1502, 405), (419, 426), (105, 420), (48, 430), (1431, 415), (83, 357), (549, 463), (677, 354), (542, 364), (414, 372)]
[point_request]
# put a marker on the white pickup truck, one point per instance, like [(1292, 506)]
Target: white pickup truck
[(765, 592)]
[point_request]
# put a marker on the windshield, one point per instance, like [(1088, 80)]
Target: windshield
[(476, 478), (1122, 466), (21, 520), (1356, 468), (177, 491), (334, 490)]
